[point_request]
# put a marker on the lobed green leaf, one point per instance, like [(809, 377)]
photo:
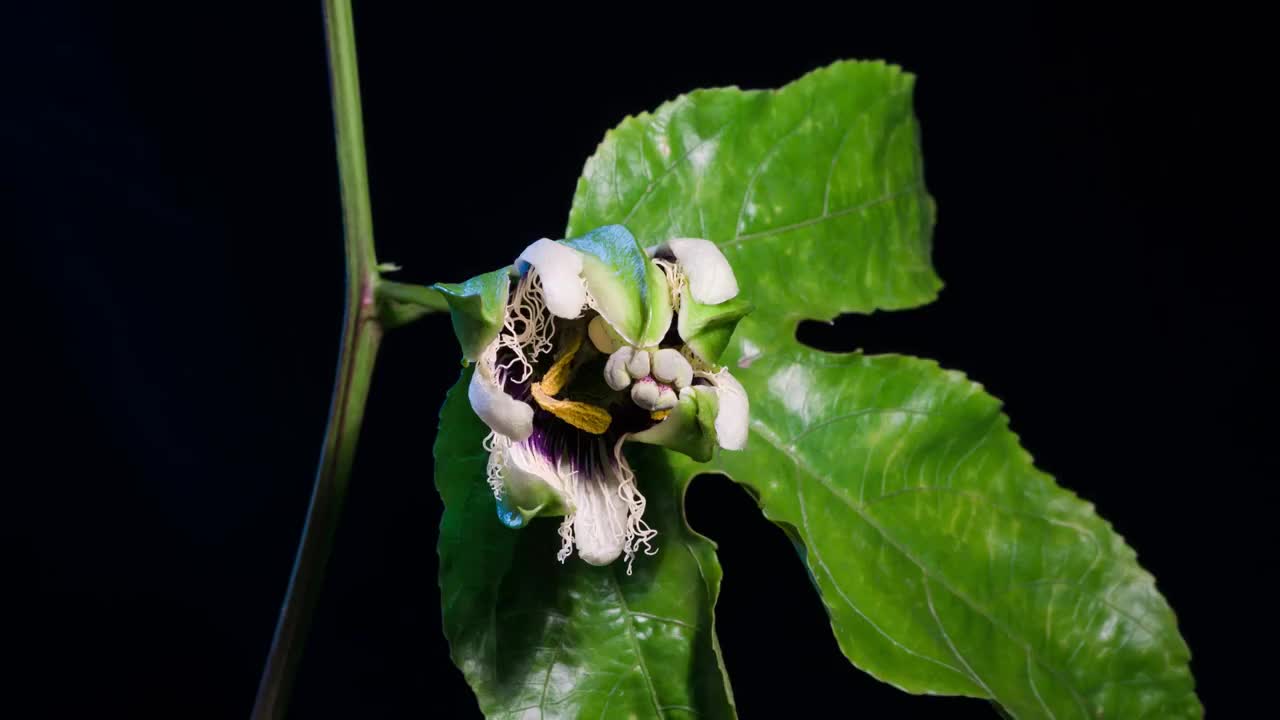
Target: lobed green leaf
[(949, 564)]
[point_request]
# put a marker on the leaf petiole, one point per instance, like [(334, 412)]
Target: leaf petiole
[(402, 303)]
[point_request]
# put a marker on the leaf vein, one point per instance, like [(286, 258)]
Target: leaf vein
[(892, 542), (653, 184), (755, 172), (850, 415), (1031, 680), (804, 521), (916, 187), (946, 637), (635, 644)]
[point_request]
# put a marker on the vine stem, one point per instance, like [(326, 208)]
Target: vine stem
[(361, 334)]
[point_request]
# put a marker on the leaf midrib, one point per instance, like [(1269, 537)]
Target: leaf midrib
[(765, 433), (914, 188), (655, 182), (635, 645)]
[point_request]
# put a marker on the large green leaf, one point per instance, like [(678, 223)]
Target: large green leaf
[(537, 638), (949, 564), (822, 174)]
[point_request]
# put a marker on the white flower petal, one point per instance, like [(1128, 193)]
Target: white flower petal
[(531, 480), (600, 521), (711, 278), (734, 413), (502, 413), (588, 491), (560, 268)]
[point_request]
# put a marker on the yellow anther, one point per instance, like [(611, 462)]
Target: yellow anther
[(558, 376), (578, 414), (659, 415)]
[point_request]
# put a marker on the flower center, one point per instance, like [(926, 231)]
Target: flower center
[(581, 415)]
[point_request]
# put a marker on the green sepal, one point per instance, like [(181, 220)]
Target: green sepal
[(690, 429), (514, 516), (706, 329), (527, 496), (620, 278), (476, 308), (658, 306)]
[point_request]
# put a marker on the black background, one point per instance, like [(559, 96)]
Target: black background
[(171, 198)]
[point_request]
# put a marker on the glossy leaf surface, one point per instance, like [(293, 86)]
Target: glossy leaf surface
[(539, 639), (815, 192), (948, 563)]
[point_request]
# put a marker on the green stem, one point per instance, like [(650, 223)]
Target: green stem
[(362, 331)]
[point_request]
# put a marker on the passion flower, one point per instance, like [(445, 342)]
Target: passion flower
[(575, 353)]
